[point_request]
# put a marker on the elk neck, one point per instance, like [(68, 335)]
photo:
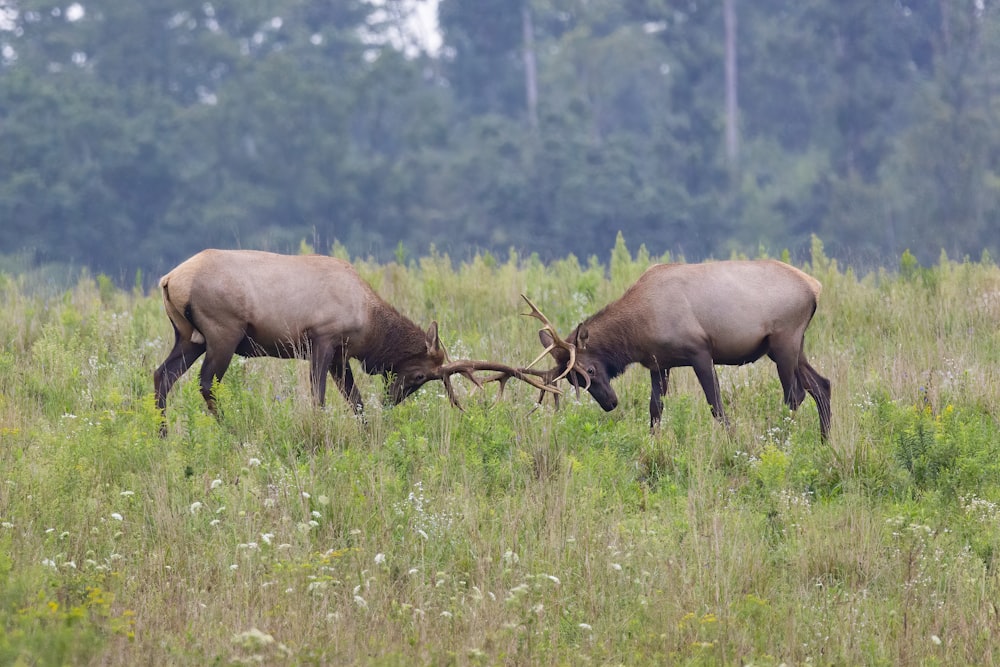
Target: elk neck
[(393, 338), (613, 338)]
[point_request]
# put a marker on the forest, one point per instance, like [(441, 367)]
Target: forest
[(134, 134)]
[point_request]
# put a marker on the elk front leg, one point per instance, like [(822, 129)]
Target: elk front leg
[(340, 369), (658, 379), (704, 369), (321, 358)]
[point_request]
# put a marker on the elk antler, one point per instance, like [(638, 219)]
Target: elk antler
[(467, 368), (557, 342)]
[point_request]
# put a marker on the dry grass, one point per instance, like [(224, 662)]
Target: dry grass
[(286, 535)]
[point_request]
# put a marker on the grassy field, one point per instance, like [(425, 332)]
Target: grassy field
[(283, 534)]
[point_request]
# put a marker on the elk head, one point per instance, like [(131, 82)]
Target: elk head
[(582, 366), (413, 373)]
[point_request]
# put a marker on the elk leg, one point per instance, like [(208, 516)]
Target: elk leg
[(658, 380), (320, 360), (789, 375), (704, 369), (217, 358), (340, 369), (820, 389), (175, 365)]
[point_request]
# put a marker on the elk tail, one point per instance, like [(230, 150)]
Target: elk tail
[(183, 320)]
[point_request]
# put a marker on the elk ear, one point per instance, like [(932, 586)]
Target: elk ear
[(560, 355), (431, 338), (581, 337)]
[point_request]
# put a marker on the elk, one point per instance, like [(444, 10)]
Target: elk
[(253, 303), (698, 315)]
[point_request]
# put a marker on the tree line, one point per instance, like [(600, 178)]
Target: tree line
[(134, 134)]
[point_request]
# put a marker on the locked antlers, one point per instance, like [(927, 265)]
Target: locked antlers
[(557, 343), (468, 368), (544, 381)]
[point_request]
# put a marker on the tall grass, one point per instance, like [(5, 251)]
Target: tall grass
[(284, 534)]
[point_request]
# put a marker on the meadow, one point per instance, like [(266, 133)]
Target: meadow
[(283, 534)]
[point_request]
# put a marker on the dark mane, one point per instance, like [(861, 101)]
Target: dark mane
[(398, 338), (611, 339)]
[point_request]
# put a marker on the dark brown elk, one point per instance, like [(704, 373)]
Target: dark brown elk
[(697, 315), (252, 303)]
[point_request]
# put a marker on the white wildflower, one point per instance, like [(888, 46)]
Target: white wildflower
[(266, 537), (216, 483), (360, 601), (195, 506), (253, 638), (253, 462), (116, 516), (380, 559)]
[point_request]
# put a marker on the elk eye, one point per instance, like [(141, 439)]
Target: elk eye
[(591, 371), (419, 377)]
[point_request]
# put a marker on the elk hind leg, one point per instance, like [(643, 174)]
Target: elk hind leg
[(791, 384), (217, 358), (183, 354), (819, 388)]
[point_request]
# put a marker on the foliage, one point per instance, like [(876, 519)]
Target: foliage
[(137, 134)]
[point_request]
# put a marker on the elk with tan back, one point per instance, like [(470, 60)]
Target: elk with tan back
[(253, 303), (697, 315)]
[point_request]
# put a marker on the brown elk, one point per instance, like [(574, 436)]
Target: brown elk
[(253, 303), (698, 315)]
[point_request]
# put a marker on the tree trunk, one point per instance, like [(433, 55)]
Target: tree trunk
[(732, 104), (530, 67)]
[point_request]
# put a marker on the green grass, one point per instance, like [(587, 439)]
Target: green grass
[(284, 534)]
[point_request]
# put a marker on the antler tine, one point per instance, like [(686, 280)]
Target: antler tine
[(448, 389), (538, 315), (556, 340)]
